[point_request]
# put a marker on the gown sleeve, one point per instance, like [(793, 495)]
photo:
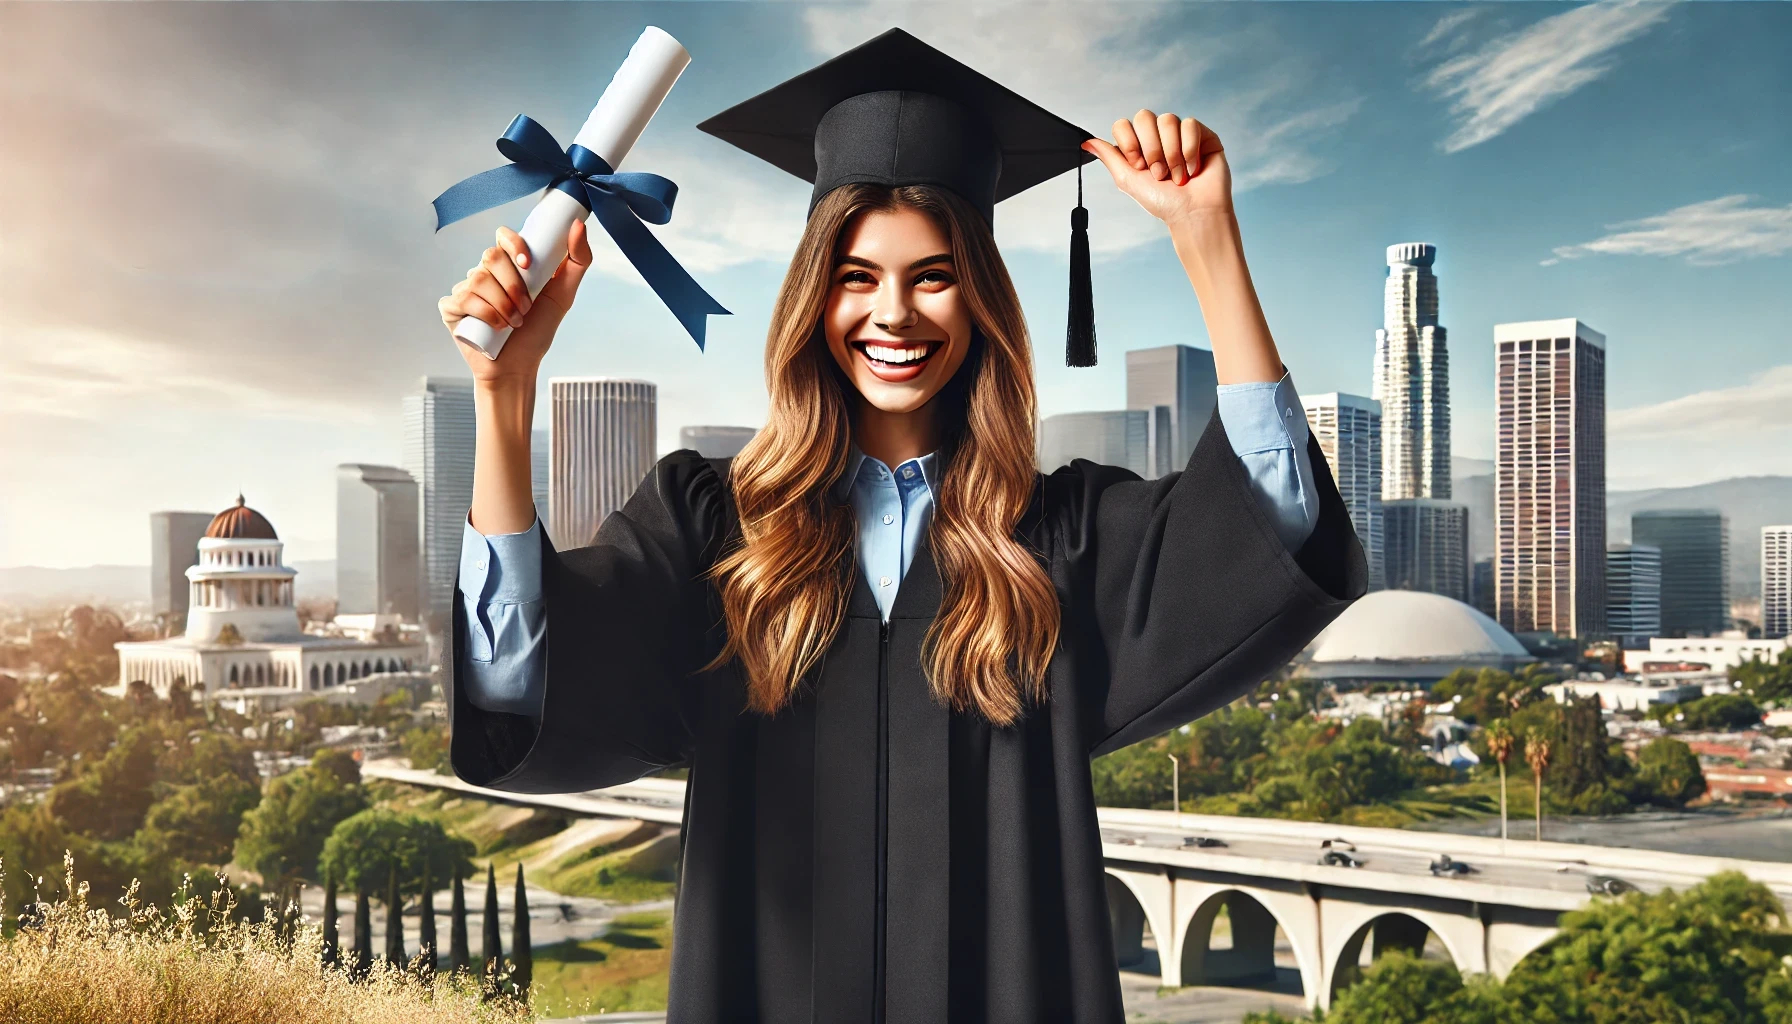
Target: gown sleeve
[(626, 625), (1180, 594)]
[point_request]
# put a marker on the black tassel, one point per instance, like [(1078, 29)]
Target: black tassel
[(1079, 340)]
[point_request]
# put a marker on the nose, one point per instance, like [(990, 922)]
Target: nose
[(894, 311)]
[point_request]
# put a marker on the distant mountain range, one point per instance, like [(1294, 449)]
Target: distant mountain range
[(125, 584), (1751, 502)]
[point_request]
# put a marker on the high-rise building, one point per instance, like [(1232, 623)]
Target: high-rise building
[(438, 453), (603, 447), (1776, 581), (540, 470), (1695, 567), (1348, 429), (1424, 545), (173, 546), (1549, 477), (1120, 437), (378, 571), (1182, 378), (1412, 379), (1480, 583), (1633, 593), (715, 442)]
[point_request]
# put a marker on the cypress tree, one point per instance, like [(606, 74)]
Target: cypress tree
[(426, 928), (494, 940), (458, 956), (522, 958), (331, 944), (363, 934), (394, 920)]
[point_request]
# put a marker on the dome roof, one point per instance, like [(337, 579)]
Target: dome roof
[(240, 522), (1413, 626)]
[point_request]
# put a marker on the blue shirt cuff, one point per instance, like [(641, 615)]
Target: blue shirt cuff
[(1263, 416), (504, 568)]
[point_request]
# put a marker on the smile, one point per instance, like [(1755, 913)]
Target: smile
[(897, 362)]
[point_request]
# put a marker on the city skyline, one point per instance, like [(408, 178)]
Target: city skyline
[(1369, 126)]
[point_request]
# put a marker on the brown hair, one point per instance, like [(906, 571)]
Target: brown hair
[(786, 582)]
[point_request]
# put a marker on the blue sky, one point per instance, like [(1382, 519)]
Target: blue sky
[(218, 269)]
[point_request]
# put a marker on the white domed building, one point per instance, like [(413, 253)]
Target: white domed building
[(243, 642), (1408, 636)]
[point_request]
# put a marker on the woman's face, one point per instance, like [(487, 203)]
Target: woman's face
[(896, 319)]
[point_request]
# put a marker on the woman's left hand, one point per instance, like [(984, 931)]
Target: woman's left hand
[(1172, 166)]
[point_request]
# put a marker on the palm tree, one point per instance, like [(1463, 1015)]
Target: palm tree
[(1500, 742), (426, 928), (363, 962), (331, 942), (1536, 751), (394, 920)]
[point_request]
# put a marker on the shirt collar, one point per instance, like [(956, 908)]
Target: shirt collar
[(855, 464)]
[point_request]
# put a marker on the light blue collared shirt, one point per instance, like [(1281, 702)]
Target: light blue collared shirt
[(500, 575)]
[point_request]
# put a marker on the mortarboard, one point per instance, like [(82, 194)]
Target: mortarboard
[(896, 111)]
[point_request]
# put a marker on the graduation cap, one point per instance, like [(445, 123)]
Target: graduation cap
[(895, 111)]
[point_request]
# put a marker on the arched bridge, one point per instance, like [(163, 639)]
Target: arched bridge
[(1246, 902)]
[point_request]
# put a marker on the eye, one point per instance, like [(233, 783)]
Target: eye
[(935, 276), (856, 277)]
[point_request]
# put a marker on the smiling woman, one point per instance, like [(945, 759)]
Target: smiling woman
[(883, 643)]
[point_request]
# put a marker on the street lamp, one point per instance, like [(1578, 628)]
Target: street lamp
[(1175, 792)]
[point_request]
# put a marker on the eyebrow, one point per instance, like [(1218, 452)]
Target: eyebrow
[(860, 261)]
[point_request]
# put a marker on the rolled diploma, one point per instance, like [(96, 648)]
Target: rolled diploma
[(628, 103)]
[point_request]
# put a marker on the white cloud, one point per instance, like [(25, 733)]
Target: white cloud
[(1092, 69), (1445, 30), (1714, 232), (1708, 435), (1503, 82)]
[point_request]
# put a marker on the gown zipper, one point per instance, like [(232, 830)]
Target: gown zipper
[(883, 804)]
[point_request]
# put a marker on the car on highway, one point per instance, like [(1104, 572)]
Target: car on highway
[(1339, 858), (1447, 866), (1609, 885), (1202, 841)]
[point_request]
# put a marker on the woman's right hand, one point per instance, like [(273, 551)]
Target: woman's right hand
[(494, 292)]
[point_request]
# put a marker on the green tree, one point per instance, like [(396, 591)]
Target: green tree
[(1398, 988), (108, 799), (364, 848), (282, 837), (427, 748), (1717, 712), (1668, 772), (1768, 682), (198, 823)]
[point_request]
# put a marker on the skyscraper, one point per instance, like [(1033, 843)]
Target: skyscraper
[(1695, 567), (1633, 593), (1549, 477), (378, 571), (173, 546), (1120, 437), (1180, 377), (438, 453), (603, 446), (1424, 543), (1348, 429), (715, 442), (1412, 379), (1776, 581)]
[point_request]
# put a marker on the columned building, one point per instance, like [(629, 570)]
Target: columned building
[(1549, 478), (604, 434), (1425, 546), (438, 453), (1181, 379), (1412, 379), (1776, 581), (1348, 429), (1695, 567), (243, 640), (1633, 593), (1137, 439)]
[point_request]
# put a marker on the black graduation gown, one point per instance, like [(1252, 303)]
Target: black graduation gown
[(867, 855)]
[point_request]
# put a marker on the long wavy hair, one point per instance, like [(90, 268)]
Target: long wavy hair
[(787, 578)]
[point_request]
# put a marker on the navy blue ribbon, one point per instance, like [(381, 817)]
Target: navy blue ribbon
[(620, 201)]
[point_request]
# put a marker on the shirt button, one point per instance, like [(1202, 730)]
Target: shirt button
[(884, 582), (480, 565), (908, 471), (888, 519)]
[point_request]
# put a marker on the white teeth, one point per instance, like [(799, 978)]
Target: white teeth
[(897, 355)]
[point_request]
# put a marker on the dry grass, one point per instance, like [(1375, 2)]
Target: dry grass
[(196, 964)]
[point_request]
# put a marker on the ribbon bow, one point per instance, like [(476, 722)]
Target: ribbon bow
[(620, 201)]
